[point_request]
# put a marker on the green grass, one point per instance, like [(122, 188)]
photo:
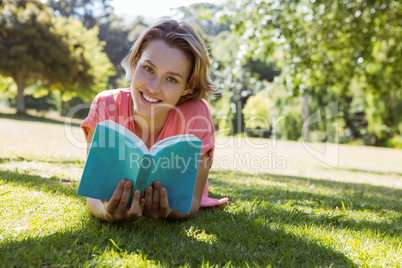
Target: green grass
[(280, 220)]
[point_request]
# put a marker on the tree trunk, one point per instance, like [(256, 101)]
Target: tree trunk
[(305, 114), (62, 103), (20, 81)]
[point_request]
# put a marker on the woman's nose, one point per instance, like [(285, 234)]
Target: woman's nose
[(155, 84)]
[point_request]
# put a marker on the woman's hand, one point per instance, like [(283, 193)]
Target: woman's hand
[(115, 210), (156, 202)]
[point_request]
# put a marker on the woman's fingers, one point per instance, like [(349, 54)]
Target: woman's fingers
[(123, 204), (118, 203), (114, 201), (164, 203), (155, 204), (156, 198), (135, 210), (142, 203), (148, 199)]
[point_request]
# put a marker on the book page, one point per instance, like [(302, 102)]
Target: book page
[(112, 157), (171, 140), (127, 133), (176, 166)]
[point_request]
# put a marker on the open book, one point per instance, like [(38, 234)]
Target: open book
[(116, 153)]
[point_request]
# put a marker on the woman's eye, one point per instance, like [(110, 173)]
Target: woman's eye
[(149, 69), (171, 79)]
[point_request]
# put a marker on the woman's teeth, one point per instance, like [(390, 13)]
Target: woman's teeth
[(149, 98)]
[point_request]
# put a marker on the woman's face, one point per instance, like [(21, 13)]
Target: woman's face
[(159, 80)]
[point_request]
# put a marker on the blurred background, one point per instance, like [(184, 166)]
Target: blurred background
[(275, 62)]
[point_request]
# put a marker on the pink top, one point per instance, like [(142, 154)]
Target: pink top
[(186, 118)]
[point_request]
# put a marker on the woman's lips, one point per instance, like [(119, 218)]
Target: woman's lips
[(149, 99)]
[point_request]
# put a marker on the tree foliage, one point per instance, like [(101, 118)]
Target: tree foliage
[(84, 44), (237, 80), (36, 47), (323, 46), (118, 40), (87, 11), (117, 36)]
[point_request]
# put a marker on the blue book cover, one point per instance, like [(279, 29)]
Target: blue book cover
[(116, 153)]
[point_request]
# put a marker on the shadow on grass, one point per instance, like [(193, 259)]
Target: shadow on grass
[(360, 192), (214, 236), (231, 237), (31, 118), (356, 197), (234, 239), (34, 182)]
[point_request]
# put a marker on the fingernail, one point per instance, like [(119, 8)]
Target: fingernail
[(162, 191)]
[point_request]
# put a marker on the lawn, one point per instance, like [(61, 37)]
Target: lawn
[(300, 213)]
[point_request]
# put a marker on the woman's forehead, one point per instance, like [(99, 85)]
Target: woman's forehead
[(160, 54)]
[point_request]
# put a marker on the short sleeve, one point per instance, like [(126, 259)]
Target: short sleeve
[(192, 118), (97, 113), (202, 127), (114, 104)]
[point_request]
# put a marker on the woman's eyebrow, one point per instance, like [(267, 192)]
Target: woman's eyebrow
[(170, 72)]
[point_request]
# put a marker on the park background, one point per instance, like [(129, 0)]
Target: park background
[(271, 60), (278, 65)]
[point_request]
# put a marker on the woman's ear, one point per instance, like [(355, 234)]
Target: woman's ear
[(126, 66), (135, 61), (187, 91)]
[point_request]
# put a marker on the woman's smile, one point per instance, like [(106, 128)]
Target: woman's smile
[(149, 99)]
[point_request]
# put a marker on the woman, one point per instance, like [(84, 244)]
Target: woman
[(168, 68)]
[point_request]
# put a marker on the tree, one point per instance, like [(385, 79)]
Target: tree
[(323, 46), (238, 80), (202, 14), (87, 11), (34, 46), (118, 37), (87, 47)]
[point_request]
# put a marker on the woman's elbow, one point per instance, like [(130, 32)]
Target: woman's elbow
[(176, 215), (195, 207)]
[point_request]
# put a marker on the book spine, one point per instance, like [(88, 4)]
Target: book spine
[(143, 175)]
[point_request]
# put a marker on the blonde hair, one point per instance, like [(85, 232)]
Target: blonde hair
[(181, 36)]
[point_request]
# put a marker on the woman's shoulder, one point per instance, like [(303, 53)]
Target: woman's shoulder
[(191, 117), (113, 94), (113, 102), (194, 108)]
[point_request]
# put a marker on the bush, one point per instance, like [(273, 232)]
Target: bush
[(68, 105), (395, 142), (41, 104), (273, 110)]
